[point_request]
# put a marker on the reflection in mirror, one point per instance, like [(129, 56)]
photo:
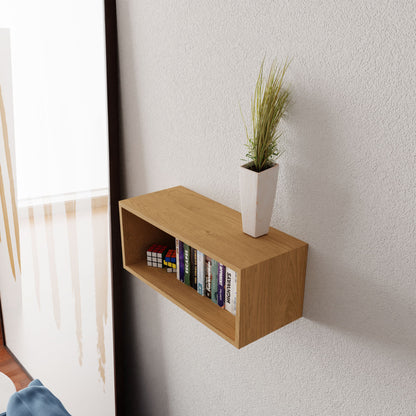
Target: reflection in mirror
[(54, 184)]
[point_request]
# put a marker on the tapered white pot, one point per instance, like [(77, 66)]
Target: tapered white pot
[(257, 194)]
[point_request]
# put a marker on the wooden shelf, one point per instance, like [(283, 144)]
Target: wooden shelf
[(200, 307), (270, 269)]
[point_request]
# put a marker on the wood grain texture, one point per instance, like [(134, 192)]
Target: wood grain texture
[(203, 309), (1, 329), (271, 295), (208, 226), (138, 235), (11, 367), (270, 269)]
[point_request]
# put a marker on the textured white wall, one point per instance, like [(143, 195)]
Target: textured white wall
[(346, 186)]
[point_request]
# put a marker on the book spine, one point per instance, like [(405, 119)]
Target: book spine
[(230, 291), (221, 285), (208, 277), (234, 294), (194, 268), (178, 273), (187, 264), (201, 273), (180, 260), (214, 281)]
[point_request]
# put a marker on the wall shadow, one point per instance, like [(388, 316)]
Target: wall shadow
[(141, 379), (340, 292), (144, 390), (342, 298)]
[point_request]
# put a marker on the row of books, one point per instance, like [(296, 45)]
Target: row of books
[(207, 276)]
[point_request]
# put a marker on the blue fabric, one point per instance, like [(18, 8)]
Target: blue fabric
[(35, 400)]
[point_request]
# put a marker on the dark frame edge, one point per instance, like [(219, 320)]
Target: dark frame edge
[(113, 112)]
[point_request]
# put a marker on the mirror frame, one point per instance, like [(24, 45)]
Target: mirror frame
[(113, 116)]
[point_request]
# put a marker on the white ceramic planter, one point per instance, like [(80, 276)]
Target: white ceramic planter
[(257, 194)]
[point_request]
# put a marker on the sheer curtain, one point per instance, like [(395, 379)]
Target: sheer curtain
[(59, 325)]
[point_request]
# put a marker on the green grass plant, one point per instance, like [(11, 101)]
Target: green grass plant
[(269, 105)]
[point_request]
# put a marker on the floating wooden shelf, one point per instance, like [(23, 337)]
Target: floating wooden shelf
[(270, 269)]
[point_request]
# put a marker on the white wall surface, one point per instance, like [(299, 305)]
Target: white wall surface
[(346, 186)]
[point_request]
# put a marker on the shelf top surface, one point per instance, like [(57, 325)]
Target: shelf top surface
[(208, 226)]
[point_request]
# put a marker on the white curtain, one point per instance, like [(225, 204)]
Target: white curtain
[(57, 301)]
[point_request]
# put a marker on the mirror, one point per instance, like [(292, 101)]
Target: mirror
[(55, 248)]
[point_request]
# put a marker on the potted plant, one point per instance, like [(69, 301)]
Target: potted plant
[(258, 177)]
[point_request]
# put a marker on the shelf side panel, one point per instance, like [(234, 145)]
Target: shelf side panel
[(138, 235), (271, 295)]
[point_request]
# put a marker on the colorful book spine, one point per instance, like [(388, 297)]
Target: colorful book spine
[(230, 291), (221, 285), (180, 261), (201, 273), (208, 277), (178, 272), (194, 268), (187, 264), (214, 281)]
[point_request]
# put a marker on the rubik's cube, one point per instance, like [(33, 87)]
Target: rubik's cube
[(155, 255), (170, 261)]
